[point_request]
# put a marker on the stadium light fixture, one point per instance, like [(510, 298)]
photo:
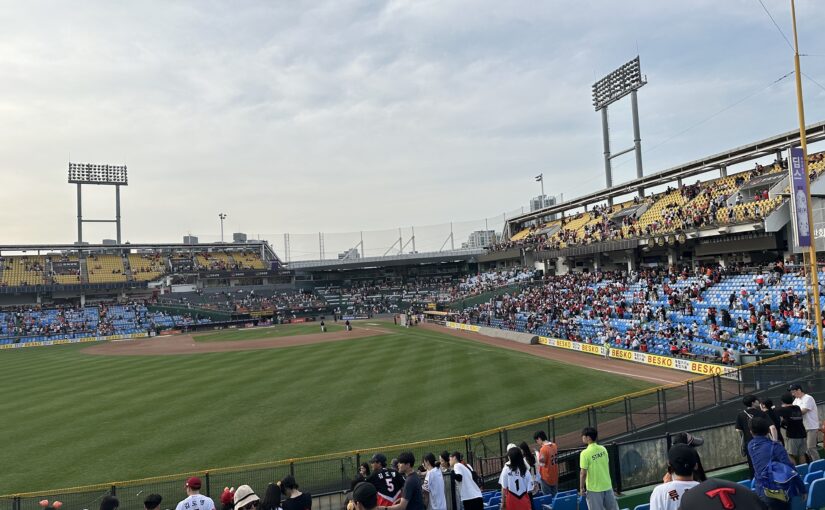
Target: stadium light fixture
[(626, 80), (90, 173), (97, 174), (618, 84)]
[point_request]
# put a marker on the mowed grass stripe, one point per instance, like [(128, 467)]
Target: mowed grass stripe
[(100, 419)]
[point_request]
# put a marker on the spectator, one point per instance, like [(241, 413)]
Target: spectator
[(468, 490), (764, 451), (272, 497), (515, 481), (594, 477), (792, 421), (228, 498), (716, 494), (412, 498), (530, 462), (434, 485), (245, 498), (444, 461), (743, 419), (388, 483), (548, 468), (194, 499), (109, 503), (768, 408), (295, 499), (689, 439), (363, 474), (152, 502), (364, 497), (810, 419), (682, 462)]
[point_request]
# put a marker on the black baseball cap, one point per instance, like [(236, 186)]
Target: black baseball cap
[(365, 494), (794, 386), (688, 439), (379, 458), (682, 458), (717, 494)]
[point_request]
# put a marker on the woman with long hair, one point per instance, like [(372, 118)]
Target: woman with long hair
[(516, 482), (272, 497), (530, 460)]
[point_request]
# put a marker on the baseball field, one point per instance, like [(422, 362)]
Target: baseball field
[(81, 414)]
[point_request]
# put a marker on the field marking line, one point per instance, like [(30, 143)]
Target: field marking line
[(630, 374)]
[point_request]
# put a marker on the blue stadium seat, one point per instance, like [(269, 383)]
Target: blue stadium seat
[(540, 501), (566, 503), (817, 465), (802, 469), (646, 506), (811, 476), (816, 495)]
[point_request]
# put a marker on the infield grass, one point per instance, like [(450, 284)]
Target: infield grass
[(71, 419), (280, 330)]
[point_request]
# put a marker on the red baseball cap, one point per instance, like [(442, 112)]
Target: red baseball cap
[(194, 483)]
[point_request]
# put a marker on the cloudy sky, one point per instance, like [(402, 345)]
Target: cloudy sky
[(352, 115)]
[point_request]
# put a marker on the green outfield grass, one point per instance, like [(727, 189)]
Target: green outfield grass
[(270, 332), (71, 419)]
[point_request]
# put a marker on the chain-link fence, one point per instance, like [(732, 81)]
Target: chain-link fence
[(636, 429)]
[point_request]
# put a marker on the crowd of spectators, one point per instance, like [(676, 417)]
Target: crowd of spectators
[(702, 204), (587, 306)]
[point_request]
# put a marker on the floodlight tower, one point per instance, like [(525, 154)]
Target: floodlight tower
[(625, 80), (99, 175), (222, 216)]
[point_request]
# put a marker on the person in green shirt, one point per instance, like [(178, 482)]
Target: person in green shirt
[(594, 478)]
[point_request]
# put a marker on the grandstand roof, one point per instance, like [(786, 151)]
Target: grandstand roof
[(744, 153), (390, 260)]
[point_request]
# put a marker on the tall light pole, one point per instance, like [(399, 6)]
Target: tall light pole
[(803, 142), (222, 216)]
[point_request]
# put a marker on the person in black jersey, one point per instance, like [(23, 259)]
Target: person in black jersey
[(295, 499), (387, 482)]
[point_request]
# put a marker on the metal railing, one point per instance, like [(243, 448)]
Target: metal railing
[(634, 427)]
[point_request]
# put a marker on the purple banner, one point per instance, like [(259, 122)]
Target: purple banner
[(799, 198)]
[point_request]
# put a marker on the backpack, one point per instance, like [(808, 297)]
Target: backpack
[(744, 446), (476, 478), (780, 481)]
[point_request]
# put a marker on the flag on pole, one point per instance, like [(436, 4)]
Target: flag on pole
[(539, 177)]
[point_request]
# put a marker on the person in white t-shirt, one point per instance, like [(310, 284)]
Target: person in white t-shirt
[(516, 482), (681, 460), (434, 485), (468, 490), (810, 419), (195, 500)]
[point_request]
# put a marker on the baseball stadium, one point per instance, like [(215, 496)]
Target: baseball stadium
[(636, 318)]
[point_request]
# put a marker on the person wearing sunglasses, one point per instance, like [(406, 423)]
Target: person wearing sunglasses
[(246, 499)]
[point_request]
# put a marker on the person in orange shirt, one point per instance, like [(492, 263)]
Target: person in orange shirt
[(548, 469)]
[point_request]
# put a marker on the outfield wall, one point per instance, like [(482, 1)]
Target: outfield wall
[(83, 340), (644, 358)]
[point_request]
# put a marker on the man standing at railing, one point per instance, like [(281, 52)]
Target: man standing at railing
[(810, 418), (195, 500), (594, 477), (548, 469)]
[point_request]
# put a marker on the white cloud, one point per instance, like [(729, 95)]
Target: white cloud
[(350, 115)]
